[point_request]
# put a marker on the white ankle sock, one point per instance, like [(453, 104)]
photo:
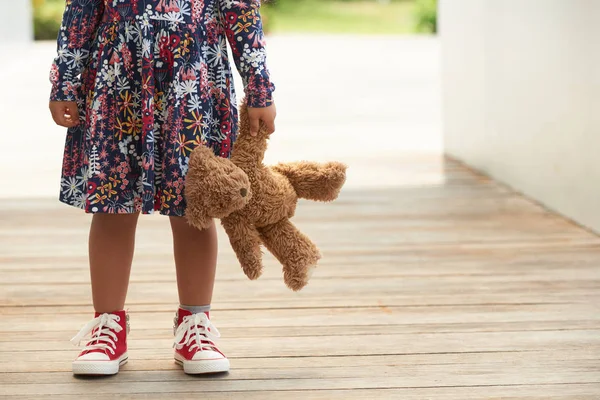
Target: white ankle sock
[(196, 309)]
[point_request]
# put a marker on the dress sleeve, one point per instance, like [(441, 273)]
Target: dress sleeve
[(79, 25), (244, 30)]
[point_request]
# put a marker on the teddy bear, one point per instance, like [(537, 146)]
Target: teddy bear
[(255, 202)]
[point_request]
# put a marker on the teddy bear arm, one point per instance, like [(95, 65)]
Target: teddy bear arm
[(245, 241), (293, 249), (314, 181)]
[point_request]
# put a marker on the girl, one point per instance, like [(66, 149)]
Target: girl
[(140, 84)]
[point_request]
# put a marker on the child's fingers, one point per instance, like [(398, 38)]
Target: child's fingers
[(270, 126), (65, 113), (73, 112), (254, 124), (60, 119)]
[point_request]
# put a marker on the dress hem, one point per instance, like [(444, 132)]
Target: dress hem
[(163, 211)]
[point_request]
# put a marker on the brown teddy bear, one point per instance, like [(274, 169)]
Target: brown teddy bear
[(255, 202)]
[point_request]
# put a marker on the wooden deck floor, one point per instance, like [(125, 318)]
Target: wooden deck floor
[(456, 291)]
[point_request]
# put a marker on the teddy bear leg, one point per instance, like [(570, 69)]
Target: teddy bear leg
[(245, 242), (314, 181), (294, 250)]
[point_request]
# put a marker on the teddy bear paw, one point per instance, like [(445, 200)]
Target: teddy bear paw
[(253, 273), (297, 280)]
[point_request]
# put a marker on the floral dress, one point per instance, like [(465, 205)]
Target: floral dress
[(152, 81)]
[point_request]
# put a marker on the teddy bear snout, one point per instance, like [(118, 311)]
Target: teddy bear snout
[(243, 192)]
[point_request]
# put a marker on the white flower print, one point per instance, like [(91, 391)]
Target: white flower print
[(173, 16), (183, 164), (184, 7), (69, 186), (139, 185), (96, 105), (185, 88), (79, 200), (117, 70), (128, 205), (124, 145), (108, 75), (82, 179), (63, 55), (135, 93), (194, 103), (144, 24), (77, 57), (225, 4), (214, 53), (131, 32), (255, 57), (146, 47), (123, 84)]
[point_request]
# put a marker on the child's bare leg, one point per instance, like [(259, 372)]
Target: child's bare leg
[(195, 260), (111, 246)]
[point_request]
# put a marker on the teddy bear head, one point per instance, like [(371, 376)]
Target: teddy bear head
[(215, 188)]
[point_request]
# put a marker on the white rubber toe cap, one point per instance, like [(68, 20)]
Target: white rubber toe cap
[(95, 356), (207, 355)]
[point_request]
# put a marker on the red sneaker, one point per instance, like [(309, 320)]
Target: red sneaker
[(195, 349), (106, 349)]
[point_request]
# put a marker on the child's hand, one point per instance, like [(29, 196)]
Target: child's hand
[(266, 115), (65, 113)]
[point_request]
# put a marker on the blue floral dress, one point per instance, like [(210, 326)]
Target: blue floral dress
[(152, 81)]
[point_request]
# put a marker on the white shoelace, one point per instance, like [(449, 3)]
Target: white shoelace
[(102, 333), (197, 332)]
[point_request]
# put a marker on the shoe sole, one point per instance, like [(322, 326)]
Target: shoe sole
[(99, 367), (204, 366)]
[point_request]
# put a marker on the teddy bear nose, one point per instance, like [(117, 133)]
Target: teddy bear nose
[(243, 192)]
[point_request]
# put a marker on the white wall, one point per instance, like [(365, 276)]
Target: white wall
[(16, 21), (521, 97)]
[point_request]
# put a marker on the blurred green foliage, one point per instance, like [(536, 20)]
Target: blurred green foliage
[(47, 16), (340, 16), (328, 16), (426, 16)]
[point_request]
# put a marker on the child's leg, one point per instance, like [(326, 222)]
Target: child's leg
[(111, 245), (195, 260)]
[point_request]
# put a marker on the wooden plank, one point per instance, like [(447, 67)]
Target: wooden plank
[(584, 391), (210, 386), (403, 247), (273, 273), (162, 360), (345, 316), (489, 256), (494, 228), (61, 336), (550, 267), (293, 303), (381, 344), (551, 372), (37, 305), (336, 288)]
